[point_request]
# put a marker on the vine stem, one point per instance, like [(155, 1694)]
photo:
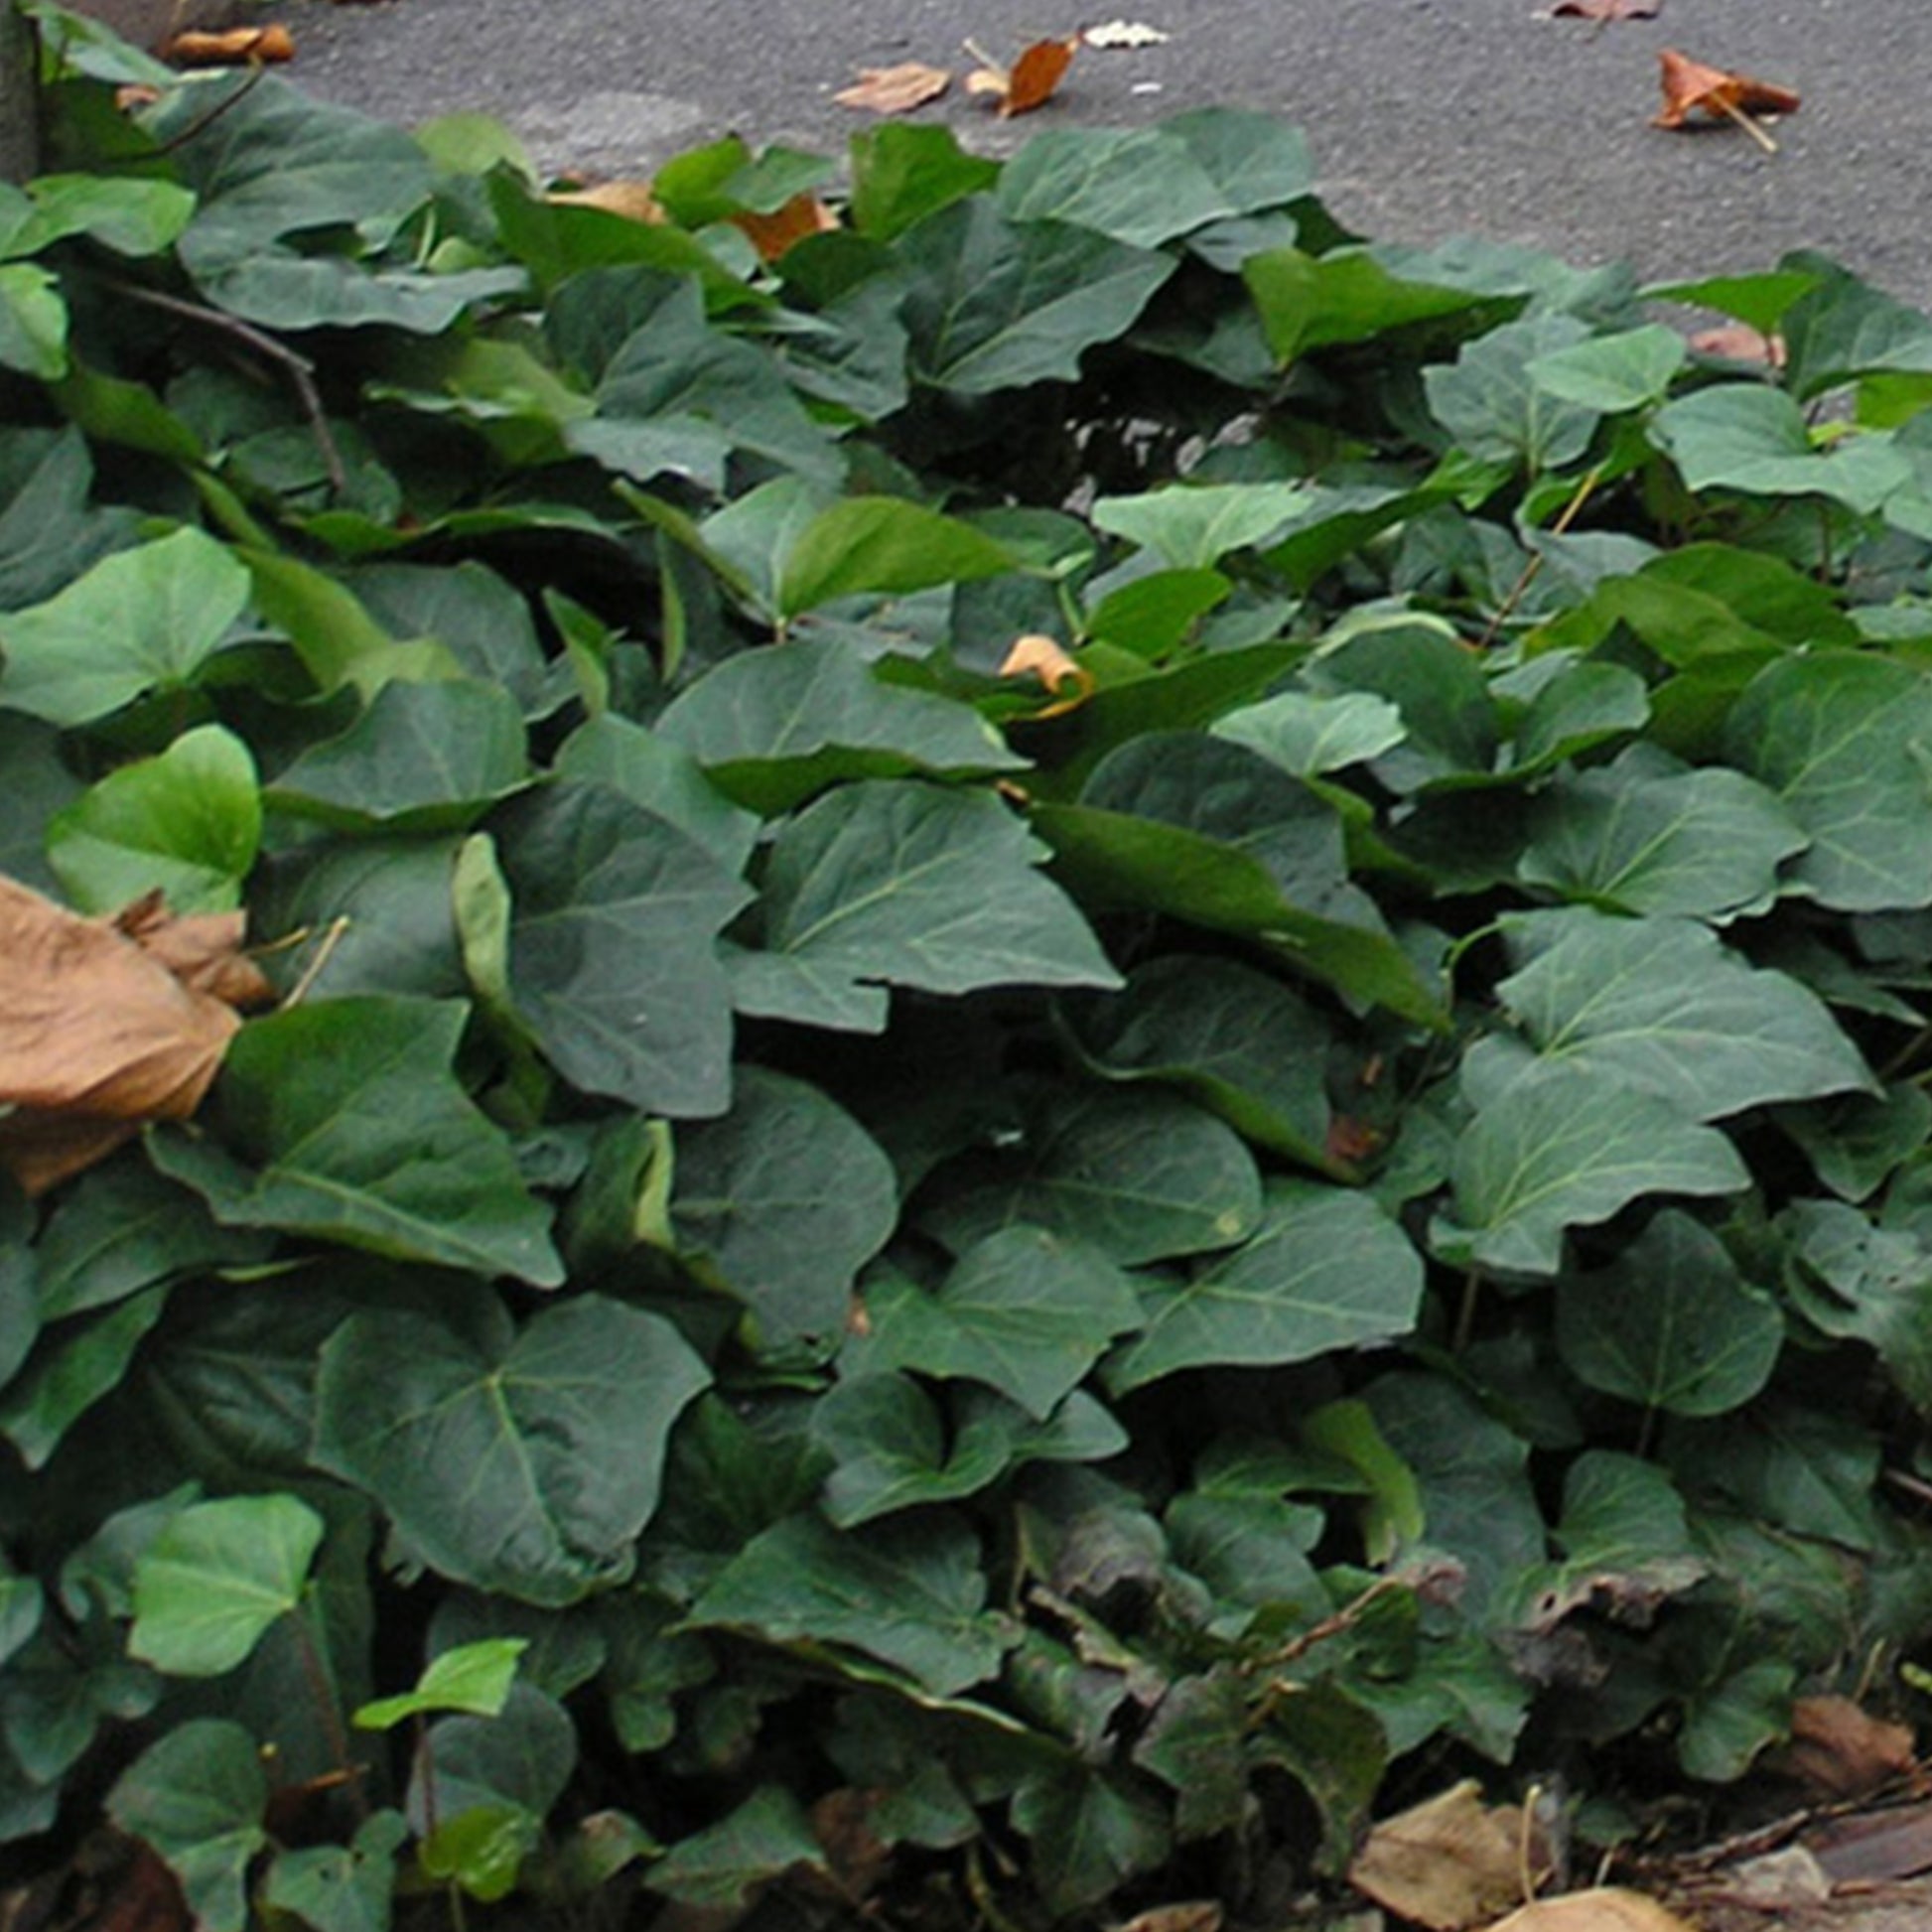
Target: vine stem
[(315, 1674), (1571, 511)]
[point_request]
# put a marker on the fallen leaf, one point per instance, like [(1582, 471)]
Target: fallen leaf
[(1604, 10), (1352, 1139), (238, 47), (1123, 33), (631, 199), (896, 91), (1739, 341), (1838, 1750), (1032, 79), (1607, 1908), (771, 235), (1192, 1915), (106, 1026), (135, 93), (1874, 1848), (1447, 1862), (857, 1855), (1044, 659), (1690, 87)]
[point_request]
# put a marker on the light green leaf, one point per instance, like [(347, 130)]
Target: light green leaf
[(1748, 437), (902, 173), (1670, 1324), (1845, 742), (1306, 734), (883, 544), (353, 1128), (1345, 296), (1855, 1280), (1610, 373), (123, 213), (913, 1595), (187, 823), (1138, 1176), (341, 1887), (612, 963), (197, 1797), (1192, 526), (520, 1460), (1024, 1312), (473, 1677), (208, 1586), (1139, 186), (1564, 1146), (1325, 1270), (33, 322), (1490, 402), (783, 1202), (141, 621), (771, 728), (423, 758), (1664, 1006)]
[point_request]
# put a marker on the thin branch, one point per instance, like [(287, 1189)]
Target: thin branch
[(1571, 511), (255, 72), (301, 371)]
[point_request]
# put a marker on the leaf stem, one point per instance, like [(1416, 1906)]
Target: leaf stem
[(1571, 511), (1744, 121), (1465, 1313)]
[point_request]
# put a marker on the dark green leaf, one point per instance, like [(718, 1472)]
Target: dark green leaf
[(197, 1797), (764, 1838)]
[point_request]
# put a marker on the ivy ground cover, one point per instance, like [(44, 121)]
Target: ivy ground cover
[(1101, 1022)]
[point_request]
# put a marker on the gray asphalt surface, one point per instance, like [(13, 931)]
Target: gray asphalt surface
[(1428, 118)]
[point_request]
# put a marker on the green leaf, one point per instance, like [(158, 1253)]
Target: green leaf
[(127, 214), (1855, 1280), (1726, 1725), (993, 303), (900, 175), (341, 1887), (1306, 734), (197, 1797), (1647, 834), (520, 1759), (423, 758), (1564, 1146), (1747, 437), (187, 823), (783, 1202), (141, 621), (883, 544), (1244, 1046), (911, 1596), (479, 1440), (1787, 1464), (71, 1371), (890, 1449), (353, 1128), (663, 779), (1137, 185), (1325, 1270), (1091, 1832), (771, 728), (1611, 373), (1024, 1312), (764, 1838), (473, 1678), (915, 885), (1192, 526), (612, 964), (207, 1588), (1670, 1324), (1490, 401), (33, 322), (1141, 1176), (1665, 1007), (1312, 302), (1843, 741), (482, 1849)]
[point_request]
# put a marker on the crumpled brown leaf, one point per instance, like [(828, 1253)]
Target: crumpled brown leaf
[(1838, 1750), (1039, 655), (1690, 87), (631, 199), (1032, 79), (771, 235), (236, 46), (895, 90), (1601, 10), (1447, 1862), (1739, 341), (106, 1024), (1607, 1909)]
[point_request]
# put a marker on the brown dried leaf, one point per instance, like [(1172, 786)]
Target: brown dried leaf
[(1874, 1848), (1690, 87), (1837, 1750), (1192, 1915), (1607, 1908), (238, 47), (856, 1854), (896, 91), (1447, 1862), (631, 199), (97, 1034), (771, 235), (1032, 79), (1739, 341), (1041, 656), (1604, 10)]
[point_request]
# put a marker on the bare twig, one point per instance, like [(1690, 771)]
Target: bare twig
[(255, 72)]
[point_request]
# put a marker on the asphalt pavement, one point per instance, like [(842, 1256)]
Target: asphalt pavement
[(1428, 118)]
